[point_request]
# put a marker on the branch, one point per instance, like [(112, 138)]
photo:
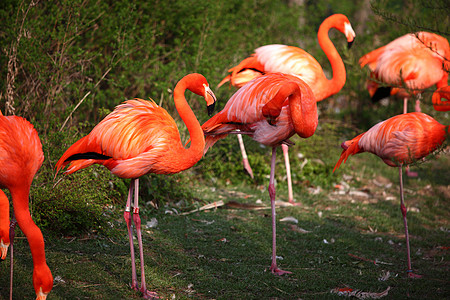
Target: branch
[(82, 99)]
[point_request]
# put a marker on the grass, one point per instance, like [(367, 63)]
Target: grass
[(224, 253)]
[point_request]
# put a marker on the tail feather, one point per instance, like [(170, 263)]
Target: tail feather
[(245, 71), (72, 156), (225, 80), (371, 58), (351, 147), (210, 140)]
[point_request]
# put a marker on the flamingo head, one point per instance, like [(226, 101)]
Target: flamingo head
[(341, 23), (197, 84)]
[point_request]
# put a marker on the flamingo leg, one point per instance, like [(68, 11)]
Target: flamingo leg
[(405, 105), (128, 217), (274, 268), (12, 234), (285, 149), (137, 222), (244, 156), (417, 107), (403, 210)]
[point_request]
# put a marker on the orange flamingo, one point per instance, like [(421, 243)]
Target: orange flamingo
[(21, 157), (399, 141), (293, 60), (270, 109), (408, 65), (139, 138)]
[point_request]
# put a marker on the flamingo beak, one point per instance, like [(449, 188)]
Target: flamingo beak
[(349, 44), (350, 34), (210, 100)]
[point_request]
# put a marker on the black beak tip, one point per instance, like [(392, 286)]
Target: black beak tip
[(349, 45), (211, 108)]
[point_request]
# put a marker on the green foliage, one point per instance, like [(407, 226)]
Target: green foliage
[(78, 204)]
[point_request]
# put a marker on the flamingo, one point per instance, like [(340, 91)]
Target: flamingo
[(293, 60), (398, 141), (21, 157), (137, 138), (270, 109), (408, 65)]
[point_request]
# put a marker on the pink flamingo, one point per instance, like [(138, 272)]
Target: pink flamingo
[(399, 141), (138, 138), (270, 109)]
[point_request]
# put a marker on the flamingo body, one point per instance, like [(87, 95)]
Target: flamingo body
[(270, 109), (419, 60), (245, 111), (21, 157), (139, 138), (398, 141)]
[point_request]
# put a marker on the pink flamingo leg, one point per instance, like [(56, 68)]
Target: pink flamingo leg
[(127, 216), (137, 222), (403, 210), (12, 234), (274, 268), (285, 149), (405, 105), (244, 156)]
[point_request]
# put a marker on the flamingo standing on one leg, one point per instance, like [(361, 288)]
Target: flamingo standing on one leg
[(270, 109), (139, 138), (415, 60), (296, 61), (21, 157), (398, 141)]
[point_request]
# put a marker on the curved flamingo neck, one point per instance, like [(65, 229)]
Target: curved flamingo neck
[(302, 107), (336, 83), (42, 277), (195, 151)]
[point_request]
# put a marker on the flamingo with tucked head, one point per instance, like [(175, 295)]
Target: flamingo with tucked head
[(137, 138), (270, 109)]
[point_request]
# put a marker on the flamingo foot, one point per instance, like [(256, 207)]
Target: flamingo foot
[(295, 203), (413, 275), (247, 167), (275, 270), (146, 294), (135, 286)]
